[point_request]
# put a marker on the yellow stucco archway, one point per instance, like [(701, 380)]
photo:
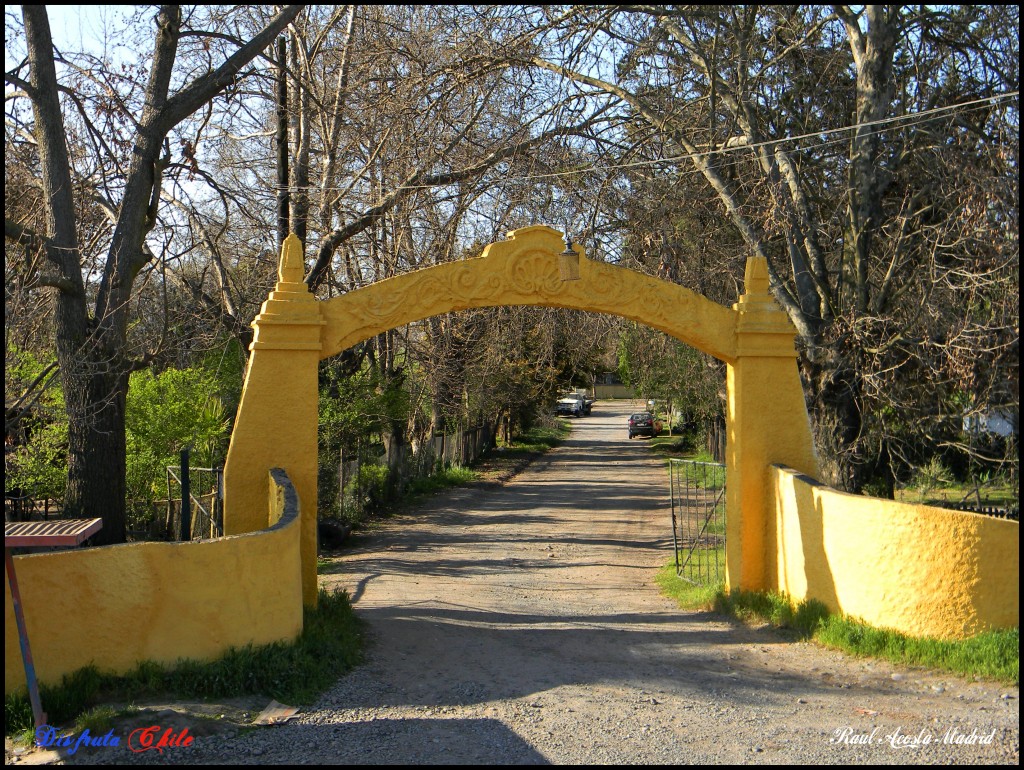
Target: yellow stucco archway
[(276, 424), (917, 570)]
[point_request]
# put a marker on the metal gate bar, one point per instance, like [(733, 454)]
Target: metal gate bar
[(698, 520)]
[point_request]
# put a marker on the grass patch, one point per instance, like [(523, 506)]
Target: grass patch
[(454, 476), (700, 595), (97, 720), (330, 644), (992, 655), (934, 484), (540, 438), (717, 527), (678, 448), (985, 496), (805, 618), (688, 595)]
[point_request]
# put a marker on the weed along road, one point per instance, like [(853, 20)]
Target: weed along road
[(520, 623)]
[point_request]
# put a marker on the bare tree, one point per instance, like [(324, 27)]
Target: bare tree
[(822, 134), (91, 345)]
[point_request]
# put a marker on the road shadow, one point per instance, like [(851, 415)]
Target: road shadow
[(540, 629)]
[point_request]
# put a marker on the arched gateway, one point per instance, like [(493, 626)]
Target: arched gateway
[(276, 425)]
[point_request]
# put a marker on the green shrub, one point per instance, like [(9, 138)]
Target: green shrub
[(932, 476), (372, 481), (454, 476), (164, 414), (37, 465)]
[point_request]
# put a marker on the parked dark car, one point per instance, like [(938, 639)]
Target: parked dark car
[(641, 424)]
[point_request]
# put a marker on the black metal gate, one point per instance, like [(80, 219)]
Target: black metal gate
[(698, 520), (195, 503)]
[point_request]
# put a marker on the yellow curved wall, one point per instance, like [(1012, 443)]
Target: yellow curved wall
[(117, 605), (917, 569)]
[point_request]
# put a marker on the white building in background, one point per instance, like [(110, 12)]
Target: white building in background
[(1001, 422)]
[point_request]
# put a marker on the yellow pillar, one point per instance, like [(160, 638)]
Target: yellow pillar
[(767, 423), (276, 424)]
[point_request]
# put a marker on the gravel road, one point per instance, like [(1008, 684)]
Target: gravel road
[(520, 624)]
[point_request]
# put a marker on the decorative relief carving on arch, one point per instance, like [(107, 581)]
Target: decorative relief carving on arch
[(535, 273), (523, 270)]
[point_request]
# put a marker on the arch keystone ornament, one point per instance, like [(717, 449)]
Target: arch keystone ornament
[(276, 424)]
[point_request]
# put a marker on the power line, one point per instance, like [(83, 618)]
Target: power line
[(913, 118), (909, 119)]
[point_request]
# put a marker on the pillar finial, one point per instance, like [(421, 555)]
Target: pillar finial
[(762, 327), (755, 276), (292, 266)]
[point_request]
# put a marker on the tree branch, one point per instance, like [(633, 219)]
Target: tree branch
[(419, 178), (194, 96)]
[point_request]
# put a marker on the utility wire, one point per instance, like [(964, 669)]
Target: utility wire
[(910, 119)]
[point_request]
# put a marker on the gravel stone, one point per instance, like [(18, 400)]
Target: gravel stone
[(482, 650)]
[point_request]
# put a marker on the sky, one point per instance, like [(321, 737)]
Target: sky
[(74, 27), (77, 24)]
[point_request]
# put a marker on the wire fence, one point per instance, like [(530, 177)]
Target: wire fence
[(369, 475), (195, 508), (698, 520), (1011, 512)]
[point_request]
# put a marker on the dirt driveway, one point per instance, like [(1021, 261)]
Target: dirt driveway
[(520, 623)]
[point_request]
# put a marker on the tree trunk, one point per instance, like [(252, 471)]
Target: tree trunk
[(299, 179), (835, 407), (95, 390), (281, 141), (716, 433), (94, 385), (873, 51)]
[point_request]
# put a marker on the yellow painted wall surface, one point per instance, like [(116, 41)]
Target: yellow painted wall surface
[(117, 605), (766, 423), (913, 568), (276, 424)]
